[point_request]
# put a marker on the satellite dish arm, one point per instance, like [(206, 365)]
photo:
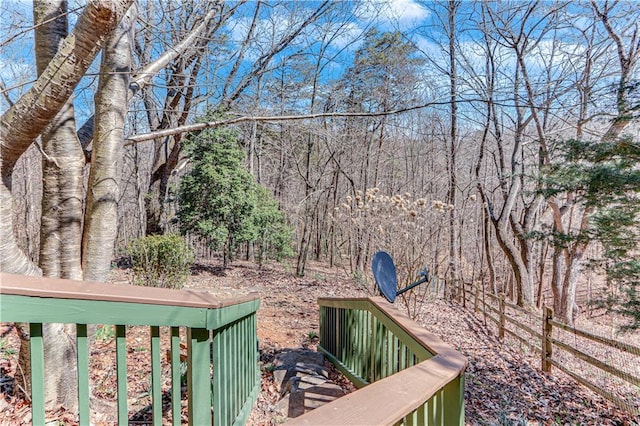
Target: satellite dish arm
[(425, 277)]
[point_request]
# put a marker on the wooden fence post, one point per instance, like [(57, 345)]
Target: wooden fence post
[(475, 297), (484, 306), (502, 320), (547, 347), (464, 294)]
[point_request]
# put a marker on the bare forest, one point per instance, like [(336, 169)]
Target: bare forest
[(495, 143)]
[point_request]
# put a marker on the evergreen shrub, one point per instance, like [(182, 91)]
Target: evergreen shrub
[(160, 261)]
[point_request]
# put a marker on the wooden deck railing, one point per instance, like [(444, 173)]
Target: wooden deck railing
[(407, 375), (219, 332)]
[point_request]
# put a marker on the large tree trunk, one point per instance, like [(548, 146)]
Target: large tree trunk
[(522, 275), (63, 160), (62, 195), (453, 273), (32, 113), (111, 109)]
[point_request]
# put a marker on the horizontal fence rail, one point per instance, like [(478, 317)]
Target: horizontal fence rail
[(407, 375), (222, 373), (495, 308)]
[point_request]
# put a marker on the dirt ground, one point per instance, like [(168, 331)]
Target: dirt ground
[(504, 383)]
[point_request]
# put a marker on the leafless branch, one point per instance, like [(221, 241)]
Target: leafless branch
[(248, 118)]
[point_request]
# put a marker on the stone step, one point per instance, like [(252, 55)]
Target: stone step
[(303, 382)]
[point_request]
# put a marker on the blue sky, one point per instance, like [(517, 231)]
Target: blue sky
[(415, 18), (17, 70)]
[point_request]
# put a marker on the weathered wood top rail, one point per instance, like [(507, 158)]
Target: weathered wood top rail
[(384, 402), (85, 290), (408, 395)]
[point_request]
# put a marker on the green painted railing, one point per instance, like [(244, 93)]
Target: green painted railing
[(223, 377), (407, 375)]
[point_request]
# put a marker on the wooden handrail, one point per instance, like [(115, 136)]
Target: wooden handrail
[(23, 285), (392, 399), (387, 401)]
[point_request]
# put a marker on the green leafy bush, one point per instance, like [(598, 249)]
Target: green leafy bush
[(160, 261)]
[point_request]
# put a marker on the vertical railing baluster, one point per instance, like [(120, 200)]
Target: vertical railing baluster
[(389, 352), (348, 331), (223, 367), (239, 374), (336, 326), (121, 374), (198, 379), (231, 402), (232, 369), (228, 371), (421, 414), (176, 385), (321, 325), (249, 348), (432, 407), (254, 350), (347, 344), (412, 419), (372, 350), (216, 351), (339, 334), (328, 332), (156, 380), (36, 343), (396, 358), (236, 370), (242, 358), (360, 343), (248, 357), (331, 336), (439, 403), (83, 373)]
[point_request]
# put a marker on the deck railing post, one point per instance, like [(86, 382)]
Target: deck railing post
[(36, 346), (199, 376), (82, 358), (121, 374), (453, 402)]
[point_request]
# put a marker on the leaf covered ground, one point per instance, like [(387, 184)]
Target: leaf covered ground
[(504, 383)]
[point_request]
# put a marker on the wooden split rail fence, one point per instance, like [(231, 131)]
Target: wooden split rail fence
[(222, 372), (495, 308)]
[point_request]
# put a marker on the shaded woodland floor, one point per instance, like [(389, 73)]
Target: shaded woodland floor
[(504, 383)]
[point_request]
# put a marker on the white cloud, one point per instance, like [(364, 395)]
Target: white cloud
[(349, 35), (407, 13)]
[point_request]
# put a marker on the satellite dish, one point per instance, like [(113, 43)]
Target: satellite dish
[(384, 272)]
